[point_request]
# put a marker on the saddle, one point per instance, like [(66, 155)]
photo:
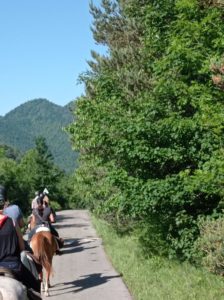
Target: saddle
[(7, 273), (42, 227)]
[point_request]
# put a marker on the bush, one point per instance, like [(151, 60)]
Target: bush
[(211, 244), (55, 205)]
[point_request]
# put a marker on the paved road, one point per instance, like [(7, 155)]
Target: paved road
[(83, 271)]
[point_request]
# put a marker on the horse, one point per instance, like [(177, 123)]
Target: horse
[(10, 288), (44, 246)]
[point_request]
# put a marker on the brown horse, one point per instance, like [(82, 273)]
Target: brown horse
[(44, 246)]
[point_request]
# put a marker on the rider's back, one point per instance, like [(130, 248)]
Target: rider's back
[(15, 213), (9, 246)]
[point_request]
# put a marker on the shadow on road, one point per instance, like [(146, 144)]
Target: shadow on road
[(75, 245), (69, 225), (60, 218), (91, 281), (77, 249), (87, 282)]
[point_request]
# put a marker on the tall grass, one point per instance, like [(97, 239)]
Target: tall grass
[(156, 278)]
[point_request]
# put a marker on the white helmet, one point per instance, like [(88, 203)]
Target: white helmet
[(45, 191)]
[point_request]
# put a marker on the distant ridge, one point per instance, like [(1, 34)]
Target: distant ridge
[(40, 117)]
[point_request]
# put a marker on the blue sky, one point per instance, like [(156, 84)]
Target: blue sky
[(44, 47)]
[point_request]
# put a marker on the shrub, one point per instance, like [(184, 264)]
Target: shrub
[(211, 244)]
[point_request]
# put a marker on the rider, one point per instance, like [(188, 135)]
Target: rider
[(34, 201), (13, 211), (43, 216), (11, 246), (33, 205), (46, 201)]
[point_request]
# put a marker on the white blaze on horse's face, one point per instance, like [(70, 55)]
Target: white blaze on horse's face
[(11, 289)]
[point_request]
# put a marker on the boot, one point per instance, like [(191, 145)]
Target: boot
[(33, 295)]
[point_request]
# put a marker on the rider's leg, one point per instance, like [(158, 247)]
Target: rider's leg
[(53, 230), (59, 240), (31, 233), (28, 279), (29, 263)]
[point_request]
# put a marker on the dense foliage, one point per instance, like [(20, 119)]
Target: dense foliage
[(150, 127), (35, 170), (21, 126)]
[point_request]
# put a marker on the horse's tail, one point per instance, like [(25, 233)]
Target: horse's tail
[(42, 251)]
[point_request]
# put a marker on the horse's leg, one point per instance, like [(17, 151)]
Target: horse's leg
[(47, 284), (49, 270), (42, 286), (42, 281)]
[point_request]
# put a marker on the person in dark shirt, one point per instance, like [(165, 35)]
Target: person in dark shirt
[(11, 246), (44, 217)]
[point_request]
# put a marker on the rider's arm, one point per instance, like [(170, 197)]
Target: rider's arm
[(20, 218), (20, 238), (52, 218), (21, 223)]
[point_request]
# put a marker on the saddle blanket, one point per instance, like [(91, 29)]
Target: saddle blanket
[(42, 228)]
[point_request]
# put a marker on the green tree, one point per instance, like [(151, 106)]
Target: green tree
[(153, 119), (38, 171)]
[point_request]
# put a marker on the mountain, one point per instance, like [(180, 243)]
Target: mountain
[(40, 117)]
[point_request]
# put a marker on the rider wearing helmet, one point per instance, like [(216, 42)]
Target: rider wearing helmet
[(43, 216), (34, 201)]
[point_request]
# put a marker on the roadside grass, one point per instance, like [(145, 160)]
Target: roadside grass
[(156, 278)]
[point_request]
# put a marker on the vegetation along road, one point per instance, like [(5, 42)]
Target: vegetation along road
[(83, 271)]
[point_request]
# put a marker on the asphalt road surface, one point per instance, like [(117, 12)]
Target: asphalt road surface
[(83, 271)]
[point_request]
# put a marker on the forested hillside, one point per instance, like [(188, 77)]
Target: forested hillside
[(150, 127), (40, 117), (35, 170)]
